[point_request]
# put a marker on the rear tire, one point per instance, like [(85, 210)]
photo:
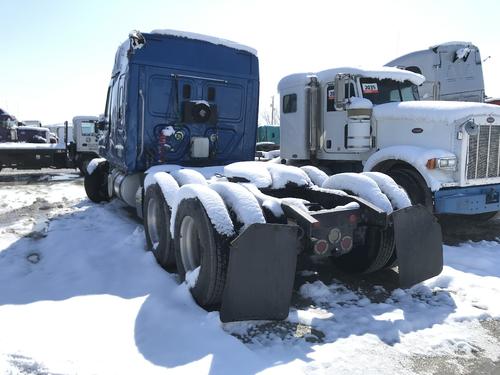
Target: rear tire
[(157, 216), (375, 254), (96, 184), (82, 166), (198, 244)]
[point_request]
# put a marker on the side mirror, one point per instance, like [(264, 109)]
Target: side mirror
[(340, 81), (101, 124)]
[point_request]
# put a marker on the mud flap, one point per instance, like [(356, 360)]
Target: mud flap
[(419, 244), (261, 273)]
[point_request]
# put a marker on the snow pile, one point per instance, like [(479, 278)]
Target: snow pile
[(206, 38), (316, 175), (271, 203), (348, 206), (240, 201), (433, 111), (93, 164), (167, 184), (253, 172), (416, 157), (398, 197), (188, 176), (441, 313), (297, 203), (211, 201), (207, 172), (282, 175), (97, 303), (192, 277), (360, 185)]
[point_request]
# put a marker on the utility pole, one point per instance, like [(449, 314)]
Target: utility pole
[(272, 110)]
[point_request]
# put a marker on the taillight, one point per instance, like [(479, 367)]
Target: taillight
[(320, 247)]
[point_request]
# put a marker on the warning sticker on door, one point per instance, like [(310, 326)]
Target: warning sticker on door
[(369, 88)]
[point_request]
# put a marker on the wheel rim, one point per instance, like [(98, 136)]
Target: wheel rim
[(189, 244), (153, 221)]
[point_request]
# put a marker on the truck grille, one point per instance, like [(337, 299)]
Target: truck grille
[(484, 153)]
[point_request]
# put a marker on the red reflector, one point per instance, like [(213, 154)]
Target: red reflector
[(320, 247), (346, 243)]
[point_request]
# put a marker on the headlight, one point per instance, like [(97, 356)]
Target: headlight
[(447, 164)]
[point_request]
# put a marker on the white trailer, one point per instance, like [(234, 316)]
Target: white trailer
[(445, 154)]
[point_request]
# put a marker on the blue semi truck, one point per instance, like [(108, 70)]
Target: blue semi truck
[(178, 146)]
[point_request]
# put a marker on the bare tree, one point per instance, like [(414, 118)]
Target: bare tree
[(270, 116)]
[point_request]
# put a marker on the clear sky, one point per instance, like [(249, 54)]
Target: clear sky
[(56, 55)]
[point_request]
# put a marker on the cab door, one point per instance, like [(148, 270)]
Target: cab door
[(334, 120)]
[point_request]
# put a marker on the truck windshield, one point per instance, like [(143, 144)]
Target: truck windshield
[(87, 128), (380, 91)]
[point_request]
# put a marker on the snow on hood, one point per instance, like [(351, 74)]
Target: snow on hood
[(206, 38), (433, 110)]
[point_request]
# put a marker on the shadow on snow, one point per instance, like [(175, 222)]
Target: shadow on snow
[(96, 250)]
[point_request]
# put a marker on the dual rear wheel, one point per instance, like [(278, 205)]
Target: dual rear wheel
[(195, 247)]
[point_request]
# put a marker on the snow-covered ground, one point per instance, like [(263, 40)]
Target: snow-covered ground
[(80, 295)]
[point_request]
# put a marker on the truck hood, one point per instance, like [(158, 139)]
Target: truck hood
[(432, 111)]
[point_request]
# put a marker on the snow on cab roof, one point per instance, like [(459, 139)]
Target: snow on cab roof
[(383, 72), (328, 75), (453, 43), (206, 38)]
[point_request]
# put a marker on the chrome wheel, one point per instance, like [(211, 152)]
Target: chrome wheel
[(189, 244), (153, 213)]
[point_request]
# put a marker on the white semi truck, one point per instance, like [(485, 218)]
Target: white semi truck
[(446, 155), (453, 71)]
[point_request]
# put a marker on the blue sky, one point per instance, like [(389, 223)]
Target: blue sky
[(57, 55)]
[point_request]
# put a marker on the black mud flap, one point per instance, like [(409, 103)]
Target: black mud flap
[(419, 245), (261, 273)]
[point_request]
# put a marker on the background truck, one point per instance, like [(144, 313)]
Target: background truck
[(179, 143), (453, 71), (32, 147), (7, 127), (446, 155)]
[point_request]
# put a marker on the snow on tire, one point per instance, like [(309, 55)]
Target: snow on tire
[(157, 216), (96, 182), (200, 249), (396, 194), (241, 202), (188, 176), (361, 186), (317, 176)]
